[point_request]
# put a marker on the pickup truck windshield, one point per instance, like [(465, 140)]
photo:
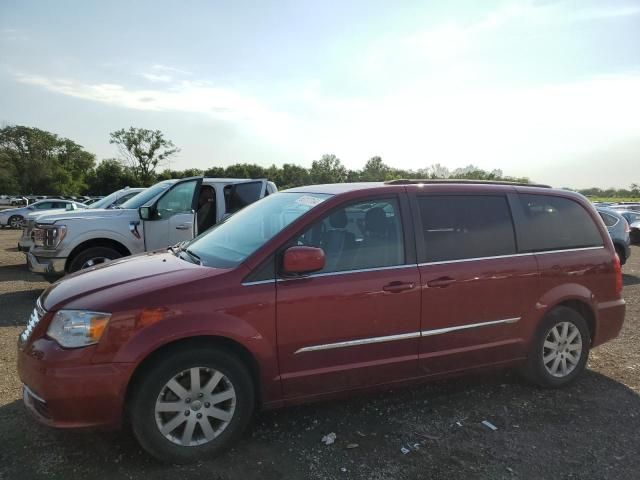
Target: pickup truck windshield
[(146, 195), (232, 241)]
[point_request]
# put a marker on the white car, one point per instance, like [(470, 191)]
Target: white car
[(13, 201), (113, 200), (165, 214), (13, 217)]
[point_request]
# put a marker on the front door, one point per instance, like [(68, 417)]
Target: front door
[(476, 291), (173, 217), (356, 322)]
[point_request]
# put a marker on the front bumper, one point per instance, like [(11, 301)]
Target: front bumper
[(47, 266), (64, 390), (25, 244)]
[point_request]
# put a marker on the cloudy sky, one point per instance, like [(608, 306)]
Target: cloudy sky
[(545, 89)]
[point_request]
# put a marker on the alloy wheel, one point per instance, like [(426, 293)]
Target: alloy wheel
[(195, 406), (562, 349)]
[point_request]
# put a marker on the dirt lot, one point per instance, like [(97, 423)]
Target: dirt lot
[(590, 430)]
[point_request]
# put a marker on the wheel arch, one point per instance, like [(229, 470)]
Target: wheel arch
[(96, 242), (210, 341), (581, 307)]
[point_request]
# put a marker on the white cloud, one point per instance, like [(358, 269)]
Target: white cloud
[(195, 97), (152, 77)]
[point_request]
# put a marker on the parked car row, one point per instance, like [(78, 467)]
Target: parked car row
[(306, 294), (131, 221)]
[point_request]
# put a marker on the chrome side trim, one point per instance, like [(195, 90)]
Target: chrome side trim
[(30, 392), (258, 282), (402, 336), (443, 262), (345, 272), (440, 331), (360, 341), (613, 303)]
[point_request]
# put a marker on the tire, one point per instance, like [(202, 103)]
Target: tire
[(621, 254), (543, 374), (15, 221), (93, 256), (153, 387)]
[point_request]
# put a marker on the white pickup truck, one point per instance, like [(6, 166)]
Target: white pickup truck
[(165, 214)]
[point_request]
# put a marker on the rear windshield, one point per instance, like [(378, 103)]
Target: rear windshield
[(556, 223)]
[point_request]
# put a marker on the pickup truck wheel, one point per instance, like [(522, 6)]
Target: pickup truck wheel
[(192, 404), (93, 256), (560, 349), (15, 221)]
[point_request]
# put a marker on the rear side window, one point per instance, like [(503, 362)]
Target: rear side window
[(609, 220), (457, 227), (240, 195), (556, 223)]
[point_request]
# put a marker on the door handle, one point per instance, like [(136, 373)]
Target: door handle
[(396, 287), (184, 226), (441, 282)]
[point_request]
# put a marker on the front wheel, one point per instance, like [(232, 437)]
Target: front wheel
[(560, 349), (193, 404), (92, 257)]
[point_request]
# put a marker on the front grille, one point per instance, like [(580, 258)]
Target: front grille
[(34, 319)]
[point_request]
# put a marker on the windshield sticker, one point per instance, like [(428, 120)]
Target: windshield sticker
[(309, 201)]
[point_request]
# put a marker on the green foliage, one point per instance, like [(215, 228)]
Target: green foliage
[(143, 150), (110, 175), (328, 169), (36, 161)]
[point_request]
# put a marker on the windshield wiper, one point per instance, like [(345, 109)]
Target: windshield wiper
[(193, 256)]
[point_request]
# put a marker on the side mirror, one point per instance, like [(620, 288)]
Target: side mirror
[(299, 260), (145, 213)]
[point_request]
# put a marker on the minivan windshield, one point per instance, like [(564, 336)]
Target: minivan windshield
[(232, 241), (146, 195)]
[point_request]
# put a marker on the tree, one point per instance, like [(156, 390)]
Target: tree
[(110, 175), (288, 176), (328, 169), (375, 171), (43, 163), (143, 150)]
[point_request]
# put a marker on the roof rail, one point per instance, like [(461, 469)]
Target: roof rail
[(404, 181)]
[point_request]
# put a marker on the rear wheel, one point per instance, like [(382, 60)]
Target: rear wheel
[(92, 257), (560, 349), (191, 405), (15, 221)]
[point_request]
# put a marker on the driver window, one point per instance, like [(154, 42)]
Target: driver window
[(359, 236), (177, 200)]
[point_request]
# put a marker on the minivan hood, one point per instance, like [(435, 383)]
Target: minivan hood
[(89, 213), (126, 277)]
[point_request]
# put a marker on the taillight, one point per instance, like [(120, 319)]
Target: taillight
[(627, 228), (618, 269)]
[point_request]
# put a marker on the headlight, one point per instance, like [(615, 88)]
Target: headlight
[(77, 328), (48, 236)]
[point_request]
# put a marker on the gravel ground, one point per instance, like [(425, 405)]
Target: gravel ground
[(589, 430)]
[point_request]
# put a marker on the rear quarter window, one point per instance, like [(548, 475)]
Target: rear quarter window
[(609, 220), (555, 223)]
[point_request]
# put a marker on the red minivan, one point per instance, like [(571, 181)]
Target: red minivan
[(319, 291)]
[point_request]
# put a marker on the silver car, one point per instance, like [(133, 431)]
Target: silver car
[(13, 217), (113, 200), (619, 230)]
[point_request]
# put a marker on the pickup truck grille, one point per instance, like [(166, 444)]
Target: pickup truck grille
[(36, 315)]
